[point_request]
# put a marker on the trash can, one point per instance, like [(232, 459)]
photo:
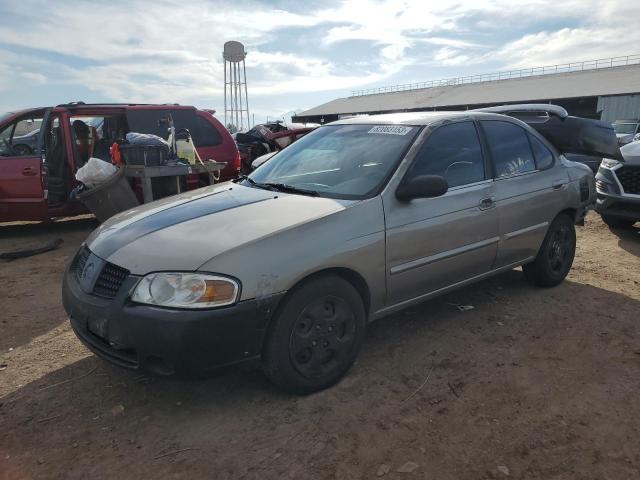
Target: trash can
[(113, 196)]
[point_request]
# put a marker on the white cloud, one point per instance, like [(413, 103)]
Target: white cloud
[(163, 52), (19, 71), (607, 29)]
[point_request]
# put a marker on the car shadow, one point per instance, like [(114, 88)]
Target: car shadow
[(88, 405), (628, 239)]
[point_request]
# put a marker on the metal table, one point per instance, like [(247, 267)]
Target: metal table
[(147, 173)]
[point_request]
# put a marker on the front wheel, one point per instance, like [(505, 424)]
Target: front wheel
[(555, 257), (316, 335)]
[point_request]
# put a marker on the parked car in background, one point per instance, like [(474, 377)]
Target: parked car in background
[(618, 187), (25, 144), (262, 159), (266, 138), (37, 169), (626, 130), (358, 219)]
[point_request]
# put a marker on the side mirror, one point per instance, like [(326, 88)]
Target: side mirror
[(422, 186)]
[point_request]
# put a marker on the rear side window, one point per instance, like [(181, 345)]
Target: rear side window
[(453, 152), (543, 156), (155, 121), (204, 134), (509, 148)]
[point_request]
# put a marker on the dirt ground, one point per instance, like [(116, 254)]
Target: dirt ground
[(531, 383)]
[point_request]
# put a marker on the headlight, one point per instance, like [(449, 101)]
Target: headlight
[(186, 290), (609, 163)]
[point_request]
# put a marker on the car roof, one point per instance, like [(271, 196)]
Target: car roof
[(78, 106), (419, 118)]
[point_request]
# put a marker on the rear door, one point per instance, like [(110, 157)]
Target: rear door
[(433, 243), (22, 192), (530, 189)]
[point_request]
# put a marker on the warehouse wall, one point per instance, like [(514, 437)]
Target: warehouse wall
[(617, 107)]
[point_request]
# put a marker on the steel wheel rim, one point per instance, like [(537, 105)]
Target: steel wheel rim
[(323, 335), (560, 249)]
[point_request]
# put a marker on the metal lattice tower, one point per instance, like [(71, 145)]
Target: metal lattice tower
[(236, 101)]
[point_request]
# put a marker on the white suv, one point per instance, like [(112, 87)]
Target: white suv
[(618, 188)]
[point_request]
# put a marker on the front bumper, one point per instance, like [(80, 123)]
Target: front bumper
[(611, 201), (166, 341), (618, 206)]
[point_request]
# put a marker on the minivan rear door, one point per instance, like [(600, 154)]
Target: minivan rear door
[(568, 134), (22, 178)]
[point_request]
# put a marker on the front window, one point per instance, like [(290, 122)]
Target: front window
[(453, 152), (625, 128), (339, 161), (20, 138)]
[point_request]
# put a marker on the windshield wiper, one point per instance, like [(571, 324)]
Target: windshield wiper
[(283, 187), (253, 182), (280, 187)]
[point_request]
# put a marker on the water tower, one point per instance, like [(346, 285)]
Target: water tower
[(236, 102)]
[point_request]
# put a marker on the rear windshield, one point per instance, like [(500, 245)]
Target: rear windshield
[(340, 161)]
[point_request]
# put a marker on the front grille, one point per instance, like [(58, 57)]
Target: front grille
[(110, 280), (629, 178)]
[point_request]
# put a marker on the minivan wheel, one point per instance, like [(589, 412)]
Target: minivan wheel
[(616, 222), (316, 335), (554, 260)]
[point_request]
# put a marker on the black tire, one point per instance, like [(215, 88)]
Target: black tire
[(315, 336), (616, 222), (555, 257)]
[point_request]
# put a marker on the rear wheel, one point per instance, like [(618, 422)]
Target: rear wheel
[(616, 222), (316, 336), (554, 260)]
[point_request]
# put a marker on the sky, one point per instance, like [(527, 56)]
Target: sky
[(300, 54)]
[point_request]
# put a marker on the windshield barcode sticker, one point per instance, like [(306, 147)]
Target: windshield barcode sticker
[(391, 129)]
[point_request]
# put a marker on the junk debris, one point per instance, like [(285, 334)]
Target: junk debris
[(29, 252), (266, 138)]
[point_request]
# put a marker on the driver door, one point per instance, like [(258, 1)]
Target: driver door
[(22, 194), (434, 243)]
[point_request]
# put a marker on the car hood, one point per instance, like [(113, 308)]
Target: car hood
[(631, 153), (185, 231)]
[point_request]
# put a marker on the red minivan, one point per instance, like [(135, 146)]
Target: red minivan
[(42, 148)]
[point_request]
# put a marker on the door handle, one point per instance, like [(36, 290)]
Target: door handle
[(559, 185), (487, 203), (29, 172)]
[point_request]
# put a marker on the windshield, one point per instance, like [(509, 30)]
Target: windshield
[(625, 128), (339, 161)]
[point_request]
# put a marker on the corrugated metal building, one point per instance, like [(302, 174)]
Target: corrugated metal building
[(609, 93)]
